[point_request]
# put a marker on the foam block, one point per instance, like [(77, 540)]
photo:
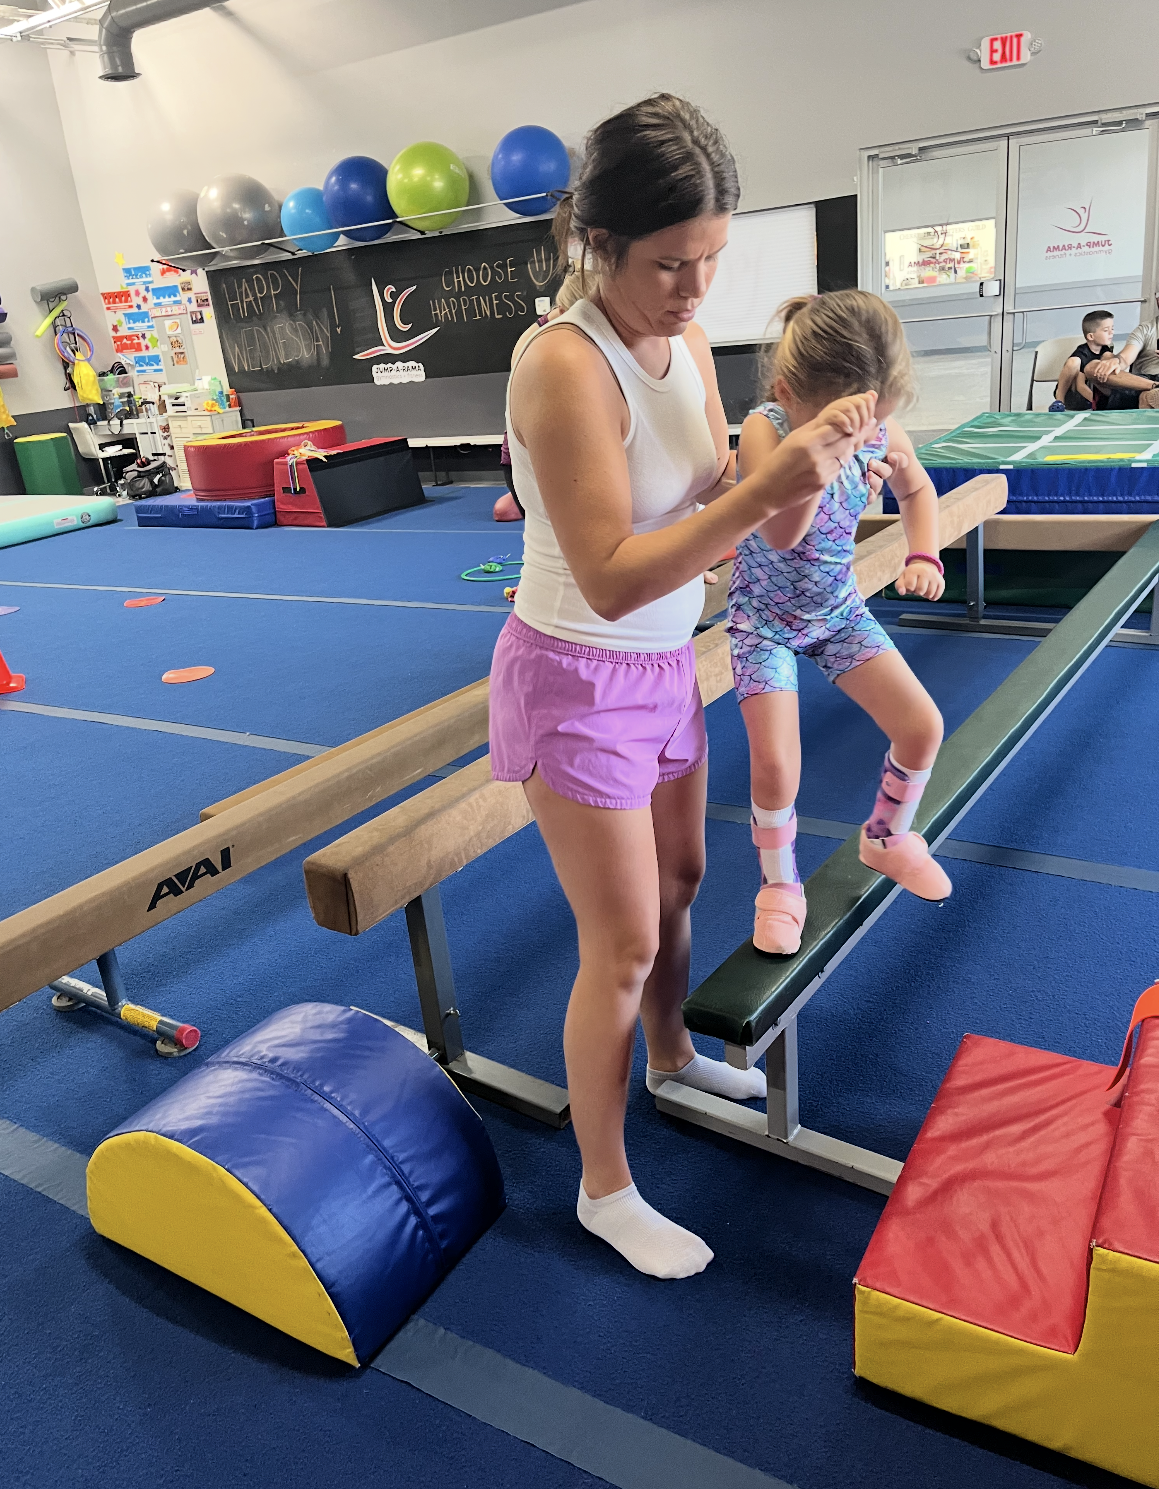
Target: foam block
[(320, 1172), (1014, 1275), (23, 518), (239, 464)]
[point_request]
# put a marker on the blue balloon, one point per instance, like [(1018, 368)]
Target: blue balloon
[(354, 192), (526, 161), (306, 220)]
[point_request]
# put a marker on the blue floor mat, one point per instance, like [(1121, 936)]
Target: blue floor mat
[(773, 1311), (320, 674), (80, 797)]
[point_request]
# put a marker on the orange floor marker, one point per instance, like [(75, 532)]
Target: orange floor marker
[(145, 600), (182, 674), (10, 682)]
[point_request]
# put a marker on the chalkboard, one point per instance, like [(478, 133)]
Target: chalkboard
[(386, 313)]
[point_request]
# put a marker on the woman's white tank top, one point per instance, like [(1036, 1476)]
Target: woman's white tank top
[(671, 459)]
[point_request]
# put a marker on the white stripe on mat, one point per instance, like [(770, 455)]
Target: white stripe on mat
[(1054, 434), (34, 1161), (162, 726), (224, 594)]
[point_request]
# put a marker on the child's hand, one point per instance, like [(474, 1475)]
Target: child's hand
[(877, 472), (921, 580), (811, 458)]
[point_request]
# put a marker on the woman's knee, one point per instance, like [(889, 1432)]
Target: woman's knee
[(680, 883)]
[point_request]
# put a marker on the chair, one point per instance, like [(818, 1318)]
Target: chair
[(89, 448), (1049, 357)]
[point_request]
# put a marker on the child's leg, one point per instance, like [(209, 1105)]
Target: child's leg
[(895, 700), (1070, 371), (775, 764)]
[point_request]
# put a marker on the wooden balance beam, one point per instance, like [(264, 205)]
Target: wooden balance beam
[(752, 1000), (399, 859)]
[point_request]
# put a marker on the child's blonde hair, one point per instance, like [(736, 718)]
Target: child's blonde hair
[(836, 344)]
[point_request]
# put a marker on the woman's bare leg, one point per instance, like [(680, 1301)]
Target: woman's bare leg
[(607, 865)]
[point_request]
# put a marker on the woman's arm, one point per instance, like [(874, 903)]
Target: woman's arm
[(758, 440), (569, 414), (918, 503), (697, 343)]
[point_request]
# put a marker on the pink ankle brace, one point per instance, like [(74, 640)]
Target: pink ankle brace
[(897, 800)]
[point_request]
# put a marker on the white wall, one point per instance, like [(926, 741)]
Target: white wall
[(283, 88), (43, 234)]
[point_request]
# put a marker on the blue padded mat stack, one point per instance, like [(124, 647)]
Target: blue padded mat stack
[(182, 509), (320, 1172)]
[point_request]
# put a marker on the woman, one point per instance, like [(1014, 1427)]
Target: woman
[(617, 437)]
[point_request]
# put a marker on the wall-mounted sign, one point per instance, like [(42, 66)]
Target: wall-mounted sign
[(1010, 49), (361, 315)]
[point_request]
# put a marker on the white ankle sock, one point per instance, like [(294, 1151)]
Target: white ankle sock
[(642, 1235), (713, 1076)]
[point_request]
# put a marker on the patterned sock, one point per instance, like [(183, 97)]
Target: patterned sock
[(897, 799), (775, 835)]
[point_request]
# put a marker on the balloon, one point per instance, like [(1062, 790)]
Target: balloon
[(306, 220), (354, 192), (175, 232), (428, 186), (237, 209), (527, 160)]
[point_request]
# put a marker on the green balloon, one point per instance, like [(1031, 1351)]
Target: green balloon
[(428, 186)]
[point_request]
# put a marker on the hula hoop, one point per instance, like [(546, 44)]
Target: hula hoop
[(66, 353)]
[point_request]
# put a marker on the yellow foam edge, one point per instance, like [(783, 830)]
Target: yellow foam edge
[(189, 1215), (1097, 1405)]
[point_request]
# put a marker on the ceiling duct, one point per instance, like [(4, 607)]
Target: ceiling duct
[(121, 22)]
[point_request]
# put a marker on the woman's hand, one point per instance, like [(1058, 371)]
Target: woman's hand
[(811, 457), (921, 580)]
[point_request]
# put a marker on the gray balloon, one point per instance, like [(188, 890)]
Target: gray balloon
[(175, 232), (237, 209)]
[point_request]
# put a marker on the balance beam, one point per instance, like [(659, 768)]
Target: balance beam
[(1038, 533), (752, 1000)]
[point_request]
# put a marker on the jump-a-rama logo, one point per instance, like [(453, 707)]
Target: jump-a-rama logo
[(184, 879)]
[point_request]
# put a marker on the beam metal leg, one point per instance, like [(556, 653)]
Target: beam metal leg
[(170, 1038), (779, 1130), (443, 1038)]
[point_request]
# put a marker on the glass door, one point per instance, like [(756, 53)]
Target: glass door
[(1081, 213), (989, 248), (936, 246)]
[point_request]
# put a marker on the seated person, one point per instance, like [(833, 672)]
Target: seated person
[(1130, 380), (1073, 389)]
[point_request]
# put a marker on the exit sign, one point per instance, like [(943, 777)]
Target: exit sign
[(1011, 49)]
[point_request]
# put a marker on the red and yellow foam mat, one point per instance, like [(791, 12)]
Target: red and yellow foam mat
[(1014, 1276)]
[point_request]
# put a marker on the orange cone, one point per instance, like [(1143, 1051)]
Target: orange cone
[(10, 682)]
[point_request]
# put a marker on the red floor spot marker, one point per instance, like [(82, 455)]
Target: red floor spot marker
[(187, 674), (145, 600)]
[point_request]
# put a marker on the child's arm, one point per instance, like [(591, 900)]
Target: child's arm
[(918, 503), (758, 440), (1070, 371)]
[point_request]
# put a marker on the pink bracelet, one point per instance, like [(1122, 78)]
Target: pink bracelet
[(929, 558)]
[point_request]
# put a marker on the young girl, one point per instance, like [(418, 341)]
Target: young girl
[(793, 594)]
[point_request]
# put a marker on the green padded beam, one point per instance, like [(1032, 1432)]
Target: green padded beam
[(746, 996)]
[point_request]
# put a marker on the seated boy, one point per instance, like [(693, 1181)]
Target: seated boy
[(1131, 379), (1073, 389)]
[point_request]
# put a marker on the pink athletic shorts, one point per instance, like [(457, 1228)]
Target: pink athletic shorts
[(601, 727)]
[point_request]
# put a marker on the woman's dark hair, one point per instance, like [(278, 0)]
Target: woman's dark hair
[(646, 168)]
